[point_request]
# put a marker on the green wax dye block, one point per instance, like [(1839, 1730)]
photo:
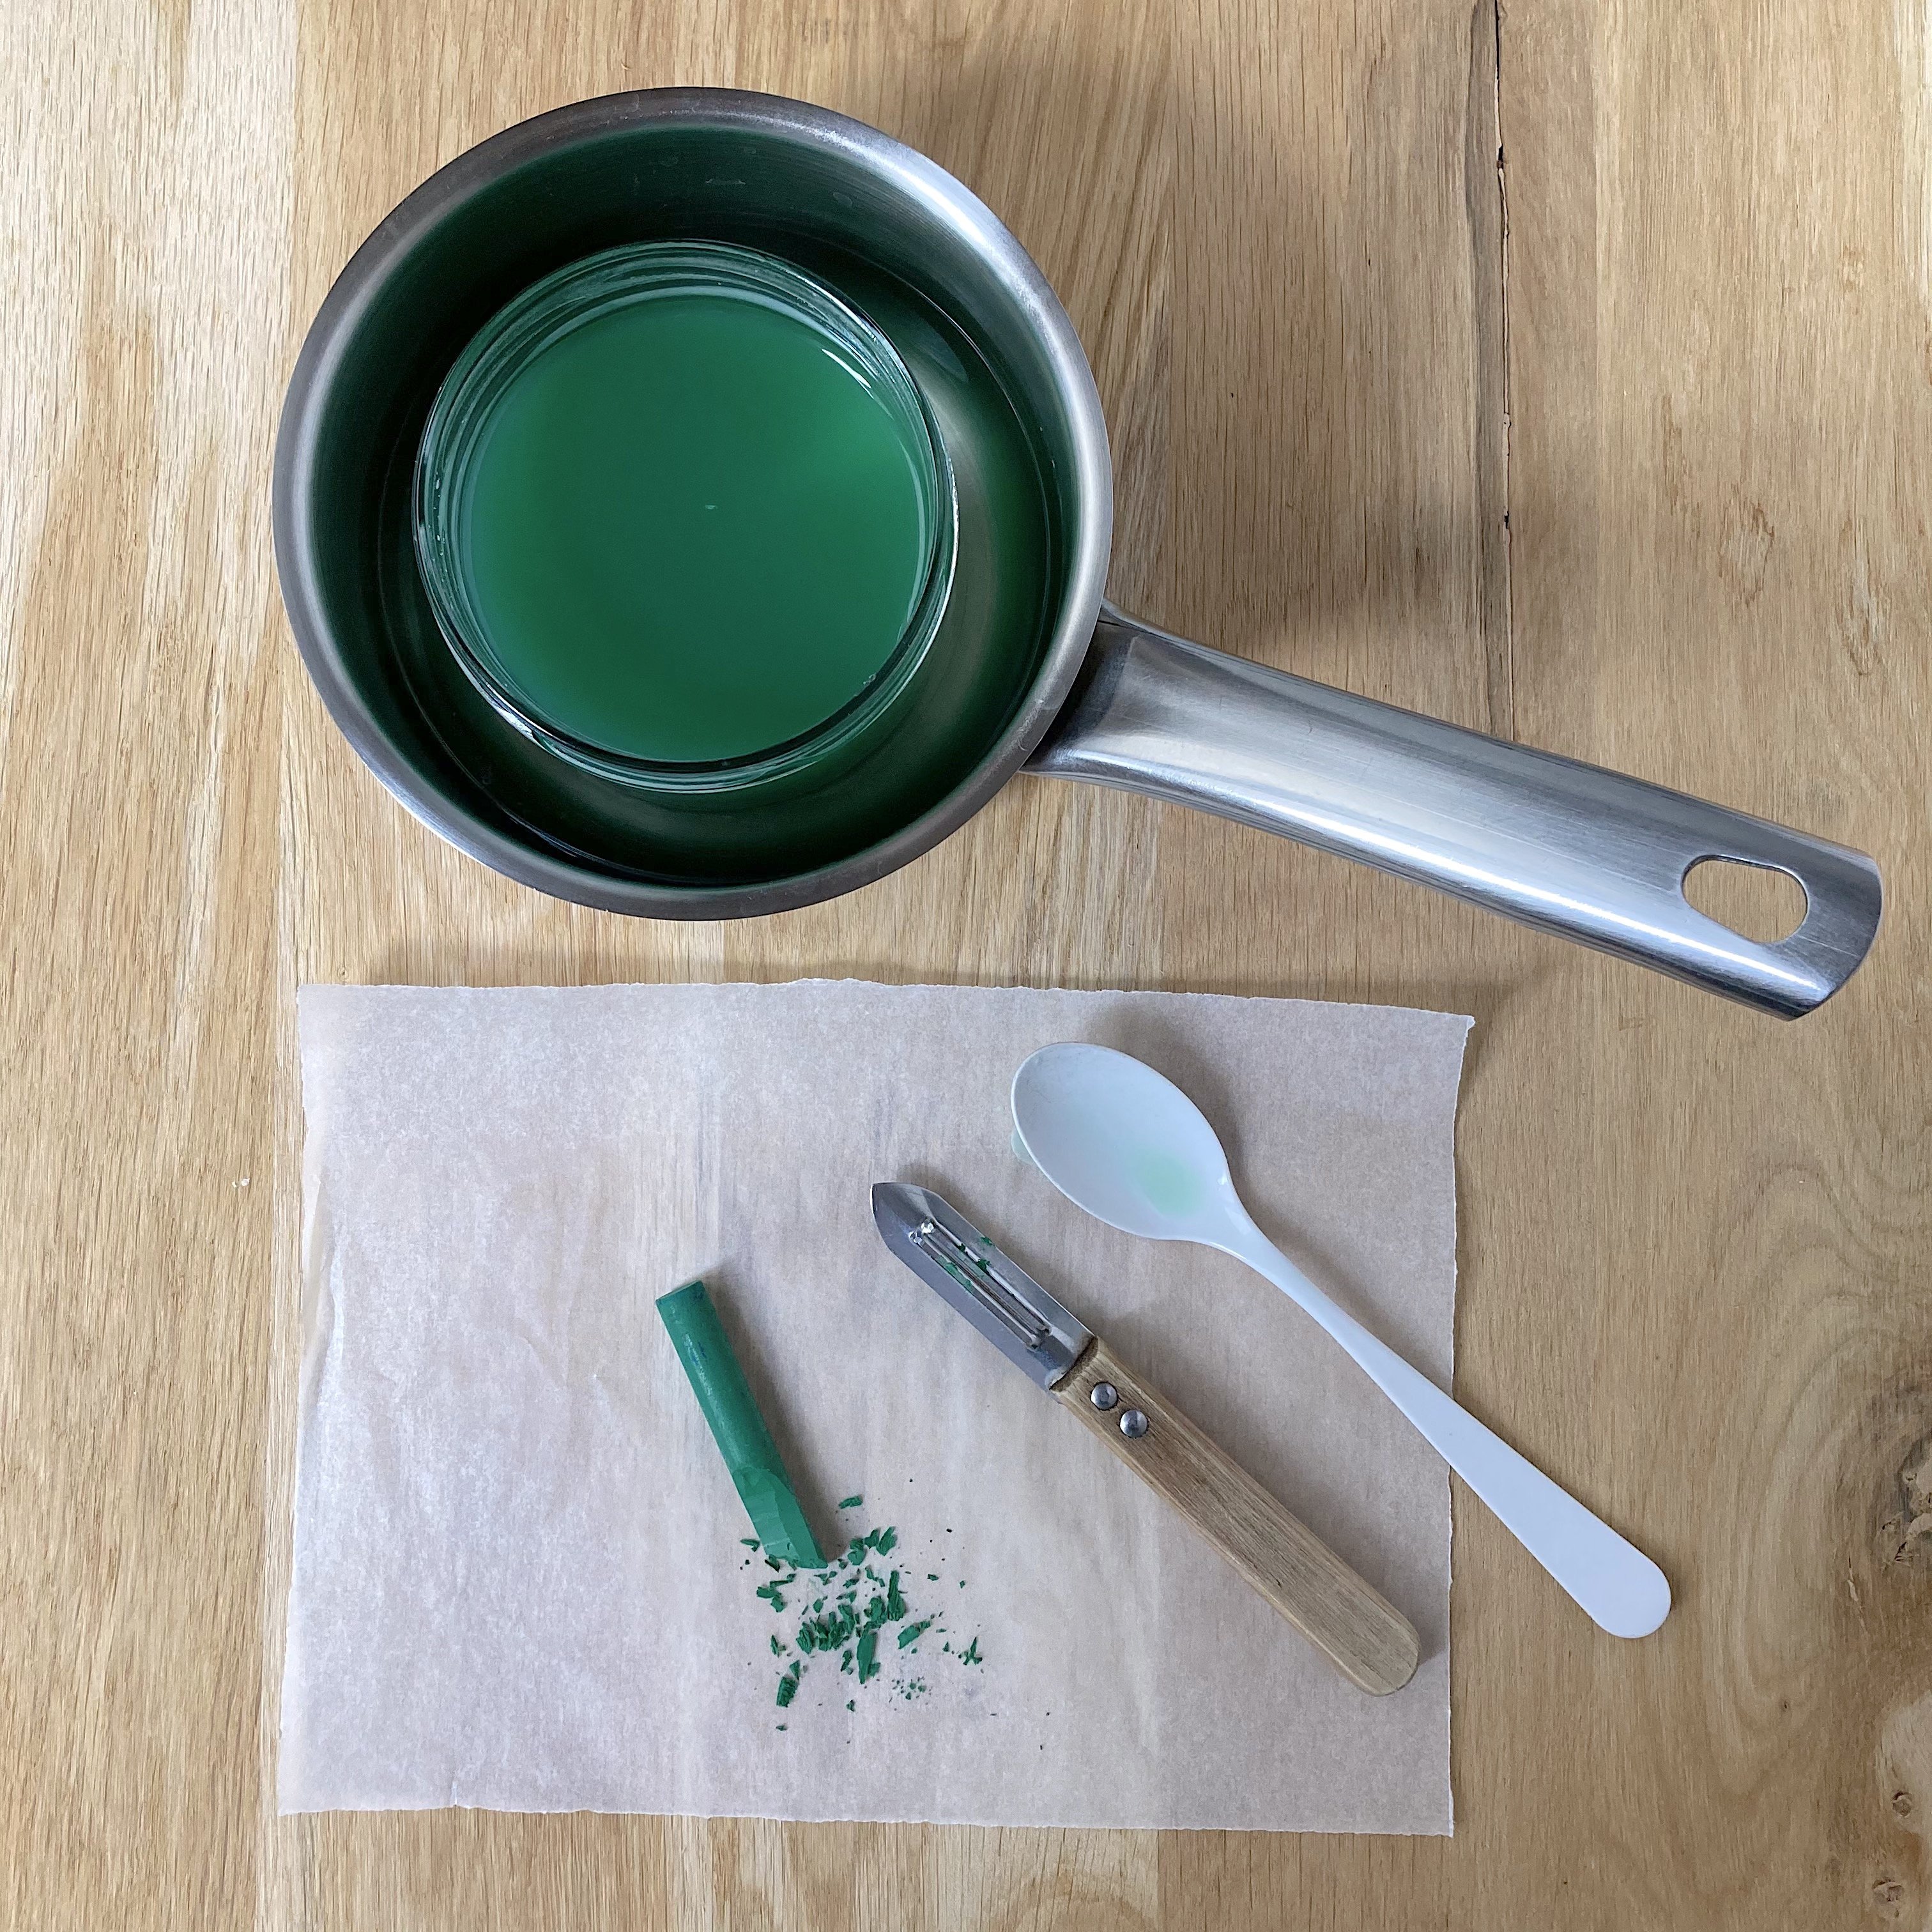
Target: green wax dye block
[(737, 1427)]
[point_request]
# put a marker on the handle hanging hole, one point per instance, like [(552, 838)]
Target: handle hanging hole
[(1760, 902)]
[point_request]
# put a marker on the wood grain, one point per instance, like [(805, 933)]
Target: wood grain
[(1363, 1635), (1568, 374)]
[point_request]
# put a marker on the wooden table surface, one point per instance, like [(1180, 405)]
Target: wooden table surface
[(1568, 374)]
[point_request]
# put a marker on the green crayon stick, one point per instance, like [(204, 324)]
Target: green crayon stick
[(737, 1427)]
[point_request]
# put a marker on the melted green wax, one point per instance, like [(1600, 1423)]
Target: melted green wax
[(693, 531)]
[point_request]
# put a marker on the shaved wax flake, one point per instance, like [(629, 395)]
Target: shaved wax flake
[(857, 1604)]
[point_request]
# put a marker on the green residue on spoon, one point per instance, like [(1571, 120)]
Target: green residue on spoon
[(1164, 1182)]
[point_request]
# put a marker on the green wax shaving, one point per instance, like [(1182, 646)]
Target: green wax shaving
[(852, 1502), (855, 1606), (739, 1429)]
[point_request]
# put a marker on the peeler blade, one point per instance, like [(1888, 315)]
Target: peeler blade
[(998, 1296)]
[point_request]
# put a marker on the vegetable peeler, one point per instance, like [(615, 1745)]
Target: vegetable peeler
[(1366, 1638)]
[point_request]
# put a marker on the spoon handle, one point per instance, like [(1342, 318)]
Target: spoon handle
[(1622, 1591)]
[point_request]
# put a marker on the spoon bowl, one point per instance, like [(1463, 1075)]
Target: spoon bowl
[(1125, 1143)]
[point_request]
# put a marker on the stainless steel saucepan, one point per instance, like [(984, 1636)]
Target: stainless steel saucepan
[(1032, 669)]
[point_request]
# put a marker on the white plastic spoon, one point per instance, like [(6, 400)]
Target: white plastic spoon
[(1126, 1143)]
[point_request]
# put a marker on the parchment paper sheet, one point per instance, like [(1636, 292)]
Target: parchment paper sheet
[(516, 1578)]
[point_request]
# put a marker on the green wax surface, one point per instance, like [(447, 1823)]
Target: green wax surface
[(693, 531), (731, 1411)]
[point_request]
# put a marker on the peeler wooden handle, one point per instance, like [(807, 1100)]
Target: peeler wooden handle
[(1364, 1636)]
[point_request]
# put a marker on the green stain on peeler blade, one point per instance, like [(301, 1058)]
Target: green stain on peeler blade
[(737, 1427)]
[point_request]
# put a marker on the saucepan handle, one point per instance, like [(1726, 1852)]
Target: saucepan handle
[(1596, 856)]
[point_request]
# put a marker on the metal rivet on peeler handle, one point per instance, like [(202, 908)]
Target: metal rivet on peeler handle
[(1134, 1423), (1103, 1395)]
